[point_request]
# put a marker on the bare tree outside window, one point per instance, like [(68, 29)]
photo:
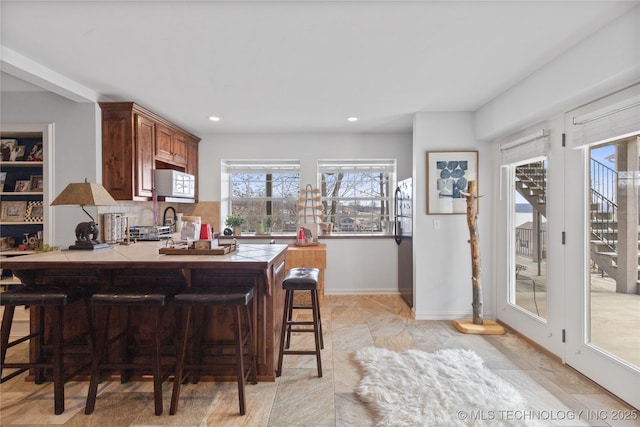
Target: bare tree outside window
[(356, 195), (267, 193)]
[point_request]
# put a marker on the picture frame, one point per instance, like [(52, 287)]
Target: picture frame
[(37, 183), (13, 211), (22, 186), (7, 243), (448, 175), (17, 153), (6, 147), (35, 211), (36, 153)]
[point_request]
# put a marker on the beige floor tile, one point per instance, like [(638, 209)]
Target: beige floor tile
[(346, 372), (300, 398), (351, 337), (304, 399), (351, 412)]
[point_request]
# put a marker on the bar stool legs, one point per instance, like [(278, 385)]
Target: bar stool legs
[(301, 279), (184, 328), (153, 298), (56, 298), (237, 299)]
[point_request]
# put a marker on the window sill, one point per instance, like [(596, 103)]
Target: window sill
[(332, 236)]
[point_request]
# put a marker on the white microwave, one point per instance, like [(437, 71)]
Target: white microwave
[(171, 183)]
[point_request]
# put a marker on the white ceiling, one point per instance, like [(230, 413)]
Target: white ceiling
[(297, 66)]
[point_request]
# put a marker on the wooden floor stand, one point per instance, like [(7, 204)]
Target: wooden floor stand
[(488, 327)]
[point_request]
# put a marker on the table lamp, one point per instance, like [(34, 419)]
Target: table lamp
[(85, 194)]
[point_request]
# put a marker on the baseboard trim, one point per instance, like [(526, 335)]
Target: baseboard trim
[(362, 292)]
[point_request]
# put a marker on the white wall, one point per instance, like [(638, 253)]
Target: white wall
[(308, 148), (358, 265), (77, 141), (442, 257), (607, 61), (354, 265)]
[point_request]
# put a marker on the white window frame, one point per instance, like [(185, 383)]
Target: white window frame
[(366, 166), (229, 167)]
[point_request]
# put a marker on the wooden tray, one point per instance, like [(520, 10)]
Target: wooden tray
[(306, 244), (221, 250)]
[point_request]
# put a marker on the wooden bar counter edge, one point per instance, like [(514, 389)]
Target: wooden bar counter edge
[(262, 265)]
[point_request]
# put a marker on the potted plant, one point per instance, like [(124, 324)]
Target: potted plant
[(235, 221), (268, 224)]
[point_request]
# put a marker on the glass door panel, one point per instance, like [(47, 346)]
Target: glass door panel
[(613, 301), (529, 289)]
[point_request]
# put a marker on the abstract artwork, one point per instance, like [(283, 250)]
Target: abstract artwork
[(448, 176)]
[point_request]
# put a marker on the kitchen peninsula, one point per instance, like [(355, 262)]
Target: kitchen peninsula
[(262, 265)]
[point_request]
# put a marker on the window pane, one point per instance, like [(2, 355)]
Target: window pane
[(614, 302), (530, 210), (265, 194), (356, 196)]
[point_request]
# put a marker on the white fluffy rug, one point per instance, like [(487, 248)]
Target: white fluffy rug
[(446, 388)]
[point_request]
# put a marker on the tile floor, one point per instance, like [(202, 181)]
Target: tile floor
[(300, 398)]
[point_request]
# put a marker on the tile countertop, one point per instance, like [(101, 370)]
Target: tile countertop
[(143, 254), (259, 264)]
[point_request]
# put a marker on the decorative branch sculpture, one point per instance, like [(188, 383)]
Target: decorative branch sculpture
[(477, 325), (472, 215)]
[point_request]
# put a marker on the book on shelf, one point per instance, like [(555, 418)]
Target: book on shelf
[(114, 227)]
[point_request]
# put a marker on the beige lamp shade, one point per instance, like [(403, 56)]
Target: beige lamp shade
[(84, 194)]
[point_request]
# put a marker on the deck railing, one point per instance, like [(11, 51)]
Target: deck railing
[(604, 208), (525, 242)]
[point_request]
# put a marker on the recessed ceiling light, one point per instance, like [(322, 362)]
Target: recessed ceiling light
[(214, 118), (352, 119)]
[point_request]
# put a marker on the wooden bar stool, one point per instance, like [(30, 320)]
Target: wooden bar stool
[(235, 297), (300, 279), (48, 355), (153, 298)]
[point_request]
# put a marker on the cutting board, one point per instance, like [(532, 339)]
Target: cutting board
[(221, 250)]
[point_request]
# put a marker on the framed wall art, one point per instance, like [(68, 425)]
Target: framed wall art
[(13, 211), (448, 175)]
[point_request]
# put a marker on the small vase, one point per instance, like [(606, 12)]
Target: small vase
[(237, 231)]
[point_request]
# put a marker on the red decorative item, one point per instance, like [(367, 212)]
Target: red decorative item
[(205, 232)]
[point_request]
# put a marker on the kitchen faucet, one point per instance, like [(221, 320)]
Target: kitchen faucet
[(175, 217)]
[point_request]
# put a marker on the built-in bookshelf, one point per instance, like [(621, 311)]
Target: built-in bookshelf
[(22, 189)]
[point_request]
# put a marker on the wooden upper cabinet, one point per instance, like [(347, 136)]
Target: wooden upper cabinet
[(118, 153), (171, 147), (180, 149), (135, 141), (164, 144), (145, 161), (192, 164)]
